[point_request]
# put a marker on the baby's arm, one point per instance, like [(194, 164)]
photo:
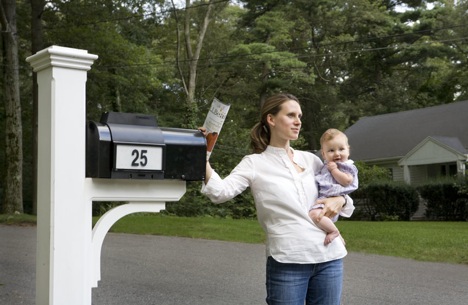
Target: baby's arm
[(343, 178)]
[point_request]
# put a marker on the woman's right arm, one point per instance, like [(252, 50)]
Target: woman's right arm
[(209, 171), (221, 190)]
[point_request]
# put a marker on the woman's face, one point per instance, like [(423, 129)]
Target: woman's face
[(286, 124)]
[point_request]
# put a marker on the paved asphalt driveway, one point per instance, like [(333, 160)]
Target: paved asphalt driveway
[(147, 270)]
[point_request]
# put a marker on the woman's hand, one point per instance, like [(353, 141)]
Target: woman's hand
[(332, 206), (203, 130)]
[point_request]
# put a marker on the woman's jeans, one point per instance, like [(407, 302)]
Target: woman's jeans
[(299, 284)]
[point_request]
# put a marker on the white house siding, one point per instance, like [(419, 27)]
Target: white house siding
[(418, 174), (397, 173), (430, 153), (392, 165)]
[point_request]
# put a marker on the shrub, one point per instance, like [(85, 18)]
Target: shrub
[(445, 200), (387, 201), (370, 174), (194, 204)]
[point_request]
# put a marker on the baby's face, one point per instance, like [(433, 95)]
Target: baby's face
[(336, 149)]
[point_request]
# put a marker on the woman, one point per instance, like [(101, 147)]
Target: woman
[(300, 269)]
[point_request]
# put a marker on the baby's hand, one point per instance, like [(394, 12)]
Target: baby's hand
[(331, 165)]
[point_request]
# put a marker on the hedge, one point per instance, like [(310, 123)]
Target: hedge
[(386, 201), (445, 200)]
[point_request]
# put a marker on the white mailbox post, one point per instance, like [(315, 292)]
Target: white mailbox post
[(68, 247)]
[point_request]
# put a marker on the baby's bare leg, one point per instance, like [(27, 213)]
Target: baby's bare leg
[(326, 224)]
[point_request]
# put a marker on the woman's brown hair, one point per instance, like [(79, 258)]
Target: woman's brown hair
[(260, 133)]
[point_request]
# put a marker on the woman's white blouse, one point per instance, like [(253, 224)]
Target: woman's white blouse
[(283, 198)]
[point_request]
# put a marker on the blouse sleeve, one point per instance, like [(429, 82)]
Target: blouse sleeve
[(221, 190), (348, 209)]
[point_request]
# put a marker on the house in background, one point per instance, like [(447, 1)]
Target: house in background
[(415, 145)]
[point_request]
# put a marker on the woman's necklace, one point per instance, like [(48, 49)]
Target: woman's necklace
[(291, 157)]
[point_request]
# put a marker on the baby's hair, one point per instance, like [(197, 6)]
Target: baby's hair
[(331, 133)]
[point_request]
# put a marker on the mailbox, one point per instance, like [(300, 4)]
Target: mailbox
[(132, 146)]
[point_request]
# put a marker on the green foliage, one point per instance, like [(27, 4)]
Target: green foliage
[(367, 175), (370, 174), (445, 200), (192, 204), (101, 207), (126, 74), (342, 59)]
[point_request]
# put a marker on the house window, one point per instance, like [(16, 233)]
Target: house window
[(435, 171), (448, 170)]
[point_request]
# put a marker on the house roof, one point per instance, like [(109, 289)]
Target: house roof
[(393, 135), (453, 151), (453, 143)]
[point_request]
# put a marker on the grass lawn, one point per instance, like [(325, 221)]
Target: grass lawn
[(420, 240), (425, 241), (17, 219), (242, 230)]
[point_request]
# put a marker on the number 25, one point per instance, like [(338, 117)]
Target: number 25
[(140, 158)]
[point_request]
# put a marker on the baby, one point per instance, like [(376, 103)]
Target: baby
[(338, 177)]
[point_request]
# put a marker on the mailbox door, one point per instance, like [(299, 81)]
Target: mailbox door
[(185, 154)]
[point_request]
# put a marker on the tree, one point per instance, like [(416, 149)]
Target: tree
[(188, 76), (343, 59), (12, 192), (37, 44), (126, 74)]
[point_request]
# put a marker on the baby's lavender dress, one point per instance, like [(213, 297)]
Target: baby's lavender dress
[(329, 187)]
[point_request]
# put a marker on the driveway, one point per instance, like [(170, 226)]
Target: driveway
[(145, 270)]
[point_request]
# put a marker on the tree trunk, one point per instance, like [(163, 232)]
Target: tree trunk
[(13, 189), (194, 57), (189, 81), (37, 44)]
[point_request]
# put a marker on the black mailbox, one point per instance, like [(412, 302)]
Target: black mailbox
[(132, 146)]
